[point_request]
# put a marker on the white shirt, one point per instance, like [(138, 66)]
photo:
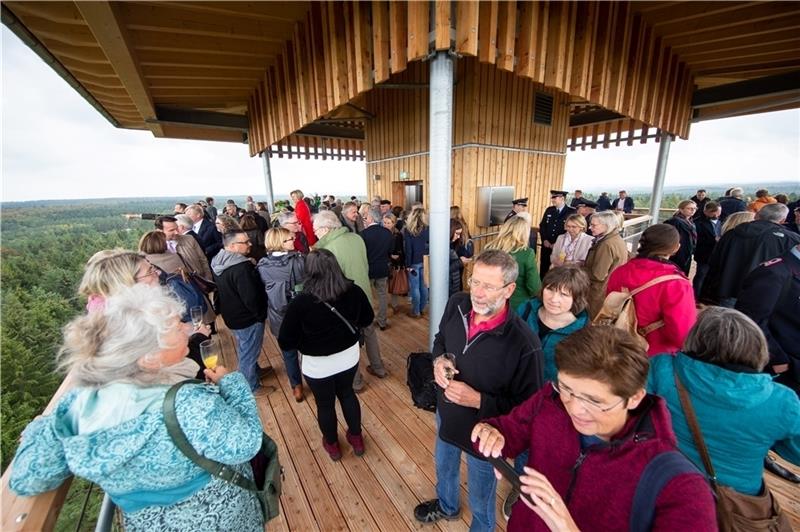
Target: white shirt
[(321, 367), (172, 246), (621, 204), (196, 227)]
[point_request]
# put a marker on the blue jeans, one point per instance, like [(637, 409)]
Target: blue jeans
[(292, 366), (417, 288), (481, 483), (248, 346)]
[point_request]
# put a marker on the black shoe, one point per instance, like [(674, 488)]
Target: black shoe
[(776, 469), (265, 372), (430, 512)]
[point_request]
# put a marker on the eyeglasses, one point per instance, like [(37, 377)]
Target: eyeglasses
[(152, 270), (245, 242), (290, 239), (489, 288), (591, 404)]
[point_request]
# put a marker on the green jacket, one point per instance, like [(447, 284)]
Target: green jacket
[(351, 253), (528, 281)]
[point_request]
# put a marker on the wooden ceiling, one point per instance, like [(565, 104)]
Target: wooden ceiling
[(137, 60)]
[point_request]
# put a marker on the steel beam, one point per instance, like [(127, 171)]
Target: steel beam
[(268, 180), (661, 172)]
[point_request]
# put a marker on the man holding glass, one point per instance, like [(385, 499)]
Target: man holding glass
[(496, 363)]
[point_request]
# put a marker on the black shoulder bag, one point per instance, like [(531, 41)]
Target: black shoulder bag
[(267, 470)]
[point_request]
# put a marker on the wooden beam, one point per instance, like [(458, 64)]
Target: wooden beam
[(487, 31), (380, 40), (104, 22), (467, 28), (506, 34), (398, 36), (418, 25), (363, 46), (443, 24)]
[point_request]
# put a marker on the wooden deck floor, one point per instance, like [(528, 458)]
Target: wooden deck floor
[(379, 490)]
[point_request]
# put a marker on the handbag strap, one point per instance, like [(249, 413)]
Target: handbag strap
[(214, 468), (694, 427), (657, 280), (339, 315)]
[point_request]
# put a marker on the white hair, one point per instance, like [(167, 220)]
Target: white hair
[(184, 220), (326, 220), (774, 212), (607, 218)]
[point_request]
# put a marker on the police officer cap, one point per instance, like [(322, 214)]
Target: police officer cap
[(520, 201), (587, 203), (554, 193), (386, 202)]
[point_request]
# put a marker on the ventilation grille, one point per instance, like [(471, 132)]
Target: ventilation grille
[(543, 109)]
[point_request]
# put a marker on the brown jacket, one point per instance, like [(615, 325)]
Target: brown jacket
[(192, 254), (605, 255)]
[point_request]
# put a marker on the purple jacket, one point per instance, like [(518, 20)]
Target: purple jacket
[(598, 485)]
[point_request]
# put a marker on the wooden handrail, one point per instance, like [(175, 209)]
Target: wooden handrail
[(39, 512)]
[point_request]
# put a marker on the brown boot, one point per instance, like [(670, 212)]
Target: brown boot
[(297, 391)]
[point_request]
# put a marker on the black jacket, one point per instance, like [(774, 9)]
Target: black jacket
[(701, 205), (313, 329), (242, 300), (209, 239), (739, 252), (552, 223), (603, 204), (730, 205), (688, 238), (379, 242), (505, 365), (771, 297), (706, 239)]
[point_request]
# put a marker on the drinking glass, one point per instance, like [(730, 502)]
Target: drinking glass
[(449, 369), (209, 352), (197, 316)]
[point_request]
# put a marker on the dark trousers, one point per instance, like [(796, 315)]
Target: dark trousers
[(544, 254), (699, 276), (325, 391)]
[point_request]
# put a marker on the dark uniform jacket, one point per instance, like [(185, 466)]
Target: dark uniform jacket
[(379, 242), (209, 239), (771, 297), (739, 252), (706, 239), (504, 364), (552, 223), (603, 204)]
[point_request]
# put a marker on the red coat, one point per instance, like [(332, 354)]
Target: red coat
[(604, 480), (671, 301), (303, 214)]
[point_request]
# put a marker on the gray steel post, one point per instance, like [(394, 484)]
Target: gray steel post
[(661, 172), (440, 168), (268, 180)]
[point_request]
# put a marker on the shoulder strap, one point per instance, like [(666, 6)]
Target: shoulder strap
[(339, 315), (180, 440), (528, 310), (657, 280), (694, 426), (657, 474)]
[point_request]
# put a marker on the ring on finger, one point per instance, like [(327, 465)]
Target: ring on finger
[(552, 501)]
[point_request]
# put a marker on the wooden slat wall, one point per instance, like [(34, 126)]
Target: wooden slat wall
[(602, 52), (493, 109)]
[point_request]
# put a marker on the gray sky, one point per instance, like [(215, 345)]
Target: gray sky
[(55, 146)]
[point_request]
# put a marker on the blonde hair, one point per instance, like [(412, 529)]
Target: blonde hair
[(736, 219), (576, 218), (228, 223), (108, 271), (416, 221), (275, 237), (105, 346), (455, 214), (514, 235)]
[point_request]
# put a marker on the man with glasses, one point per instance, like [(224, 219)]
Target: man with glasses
[(498, 365), (242, 302), (288, 220)]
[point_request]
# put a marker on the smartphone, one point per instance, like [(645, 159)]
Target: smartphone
[(508, 472)]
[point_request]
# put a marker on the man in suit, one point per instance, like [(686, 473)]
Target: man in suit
[(623, 202), (552, 225), (709, 231), (700, 199), (576, 198), (208, 237), (379, 242), (603, 203), (185, 246)]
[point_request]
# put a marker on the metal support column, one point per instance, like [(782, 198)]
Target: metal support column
[(268, 180), (440, 168), (661, 172)]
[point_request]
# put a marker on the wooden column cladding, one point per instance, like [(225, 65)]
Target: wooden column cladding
[(599, 52)]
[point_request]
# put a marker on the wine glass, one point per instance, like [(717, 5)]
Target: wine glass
[(449, 369), (209, 352), (197, 316)]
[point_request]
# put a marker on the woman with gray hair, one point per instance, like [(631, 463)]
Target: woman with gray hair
[(741, 411), (607, 252), (110, 429)]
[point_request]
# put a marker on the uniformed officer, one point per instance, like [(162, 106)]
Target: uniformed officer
[(586, 208), (552, 225), (771, 297), (517, 206)]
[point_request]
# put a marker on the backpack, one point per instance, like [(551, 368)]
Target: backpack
[(619, 311), (419, 377), (184, 290)]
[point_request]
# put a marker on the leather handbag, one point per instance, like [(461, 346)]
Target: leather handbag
[(736, 512), (398, 281), (267, 470)]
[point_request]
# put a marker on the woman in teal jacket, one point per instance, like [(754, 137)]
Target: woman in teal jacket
[(742, 413), (558, 312), (513, 239)]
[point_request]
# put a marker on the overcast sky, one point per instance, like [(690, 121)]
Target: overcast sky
[(55, 146)]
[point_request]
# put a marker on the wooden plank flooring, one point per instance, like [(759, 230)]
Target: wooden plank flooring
[(379, 490)]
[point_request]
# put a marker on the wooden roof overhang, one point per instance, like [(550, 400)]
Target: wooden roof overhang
[(287, 77)]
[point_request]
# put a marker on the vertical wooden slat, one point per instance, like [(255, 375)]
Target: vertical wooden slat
[(540, 51), (398, 35), (506, 33), (467, 28), (349, 31), (318, 57), (442, 24), (584, 39), (657, 88), (619, 41), (670, 93), (526, 42), (291, 87), (380, 40), (556, 44), (417, 30), (364, 45), (487, 31), (338, 53), (633, 64)]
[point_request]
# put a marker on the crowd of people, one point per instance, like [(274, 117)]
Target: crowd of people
[(527, 365)]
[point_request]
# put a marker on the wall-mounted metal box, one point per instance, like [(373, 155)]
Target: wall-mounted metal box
[(494, 203)]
